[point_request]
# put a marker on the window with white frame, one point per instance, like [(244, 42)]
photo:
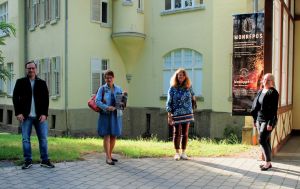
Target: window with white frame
[(181, 4), (98, 68), (44, 71), (284, 74), (1, 81), (276, 42), (191, 61), (104, 12), (3, 15), (42, 12), (95, 10), (101, 12), (10, 81), (140, 5), (291, 60), (55, 76), (283, 51), (47, 11), (34, 13), (54, 9)]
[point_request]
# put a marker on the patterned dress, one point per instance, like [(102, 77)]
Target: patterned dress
[(179, 104)]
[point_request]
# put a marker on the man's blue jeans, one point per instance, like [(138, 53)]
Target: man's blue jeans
[(41, 129)]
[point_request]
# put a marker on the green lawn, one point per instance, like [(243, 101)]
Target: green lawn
[(71, 149)]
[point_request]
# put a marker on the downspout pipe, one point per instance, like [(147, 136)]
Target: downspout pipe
[(66, 70), (255, 6)]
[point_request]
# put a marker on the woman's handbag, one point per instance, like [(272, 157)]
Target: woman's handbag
[(92, 102)]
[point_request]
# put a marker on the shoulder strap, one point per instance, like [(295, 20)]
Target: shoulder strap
[(102, 93)]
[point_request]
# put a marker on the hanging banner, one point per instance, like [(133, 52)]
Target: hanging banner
[(247, 61)]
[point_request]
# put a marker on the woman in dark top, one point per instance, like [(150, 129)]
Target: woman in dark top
[(264, 113)]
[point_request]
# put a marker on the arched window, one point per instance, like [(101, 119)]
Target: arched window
[(188, 59)]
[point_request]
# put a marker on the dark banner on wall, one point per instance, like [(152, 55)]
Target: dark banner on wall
[(248, 60)]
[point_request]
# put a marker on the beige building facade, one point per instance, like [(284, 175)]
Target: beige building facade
[(143, 42)]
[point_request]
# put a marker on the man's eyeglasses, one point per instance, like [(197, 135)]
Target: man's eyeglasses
[(30, 68)]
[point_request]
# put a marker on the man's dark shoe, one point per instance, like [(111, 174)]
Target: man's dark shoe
[(47, 163), (27, 164)]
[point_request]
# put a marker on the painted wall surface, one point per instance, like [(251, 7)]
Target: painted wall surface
[(13, 51), (47, 42), (86, 40), (165, 33), (222, 51), (296, 94)]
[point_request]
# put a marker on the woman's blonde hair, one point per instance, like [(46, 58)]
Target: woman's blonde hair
[(174, 79), (271, 78)]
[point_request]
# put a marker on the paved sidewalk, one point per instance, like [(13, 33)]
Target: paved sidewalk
[(154, 173)]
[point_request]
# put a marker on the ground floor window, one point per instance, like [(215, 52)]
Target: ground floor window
[(191, 61)]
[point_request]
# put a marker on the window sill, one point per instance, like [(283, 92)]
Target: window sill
[(32, 28), (127, 3), (198, 98), (54, 97), (54, 21), (105, 25), (189, 9), (140, 11), (42, 26)]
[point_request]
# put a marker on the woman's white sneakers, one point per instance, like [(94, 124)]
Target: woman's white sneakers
[(183, 156), (176, 157)]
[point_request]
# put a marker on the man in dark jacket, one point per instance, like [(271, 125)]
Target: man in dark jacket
[(31, 103)]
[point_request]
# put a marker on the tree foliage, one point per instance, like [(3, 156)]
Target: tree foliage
[(7, 29)]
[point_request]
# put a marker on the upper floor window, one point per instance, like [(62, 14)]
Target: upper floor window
[(140, 6), (3, 15), (181, 4), (188, 59), (40, 12), (101, 12)]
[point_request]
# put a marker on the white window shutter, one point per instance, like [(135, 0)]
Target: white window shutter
[(95, 74), (95, 10)]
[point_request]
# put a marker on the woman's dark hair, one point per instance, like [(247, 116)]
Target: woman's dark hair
[(109, 73)]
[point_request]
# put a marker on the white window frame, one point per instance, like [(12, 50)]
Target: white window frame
[(10, 80), (98, 66), (2, 89), (284, 70), (276, 41), (42, 13), (140, 6), (55, 76), (191, 69), (44, 71), (47, 10), (3, 15), (96, 11), (54, 11), (194, 3), (108, 22), (34, 13)]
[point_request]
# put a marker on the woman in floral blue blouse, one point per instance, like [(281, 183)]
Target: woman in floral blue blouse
[(180, 111)]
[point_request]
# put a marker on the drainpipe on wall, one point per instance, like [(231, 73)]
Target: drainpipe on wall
[(66, 69), (255, 6)]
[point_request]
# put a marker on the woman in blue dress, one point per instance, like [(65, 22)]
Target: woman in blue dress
[(180, 111), (110, 118)]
